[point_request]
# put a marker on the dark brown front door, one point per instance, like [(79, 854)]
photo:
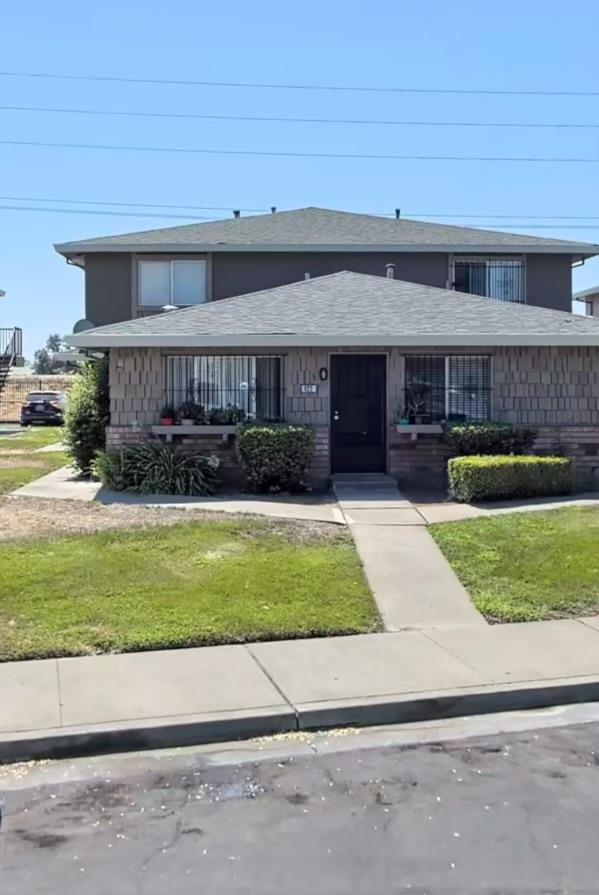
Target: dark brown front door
[(358, 389)]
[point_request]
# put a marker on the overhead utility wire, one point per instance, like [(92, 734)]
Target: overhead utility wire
[(289, 154), (131, 204), (289, 120), (229, 208), (351, 88), (142, 214)]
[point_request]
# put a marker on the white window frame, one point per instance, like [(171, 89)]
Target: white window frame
[(171, 262), (456, 256)]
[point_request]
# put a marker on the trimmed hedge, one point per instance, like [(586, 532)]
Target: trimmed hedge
[(499, 478), (474, 439), (155, 468), (275, 456)]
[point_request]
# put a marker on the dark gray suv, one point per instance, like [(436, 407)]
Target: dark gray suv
[(43, 407)]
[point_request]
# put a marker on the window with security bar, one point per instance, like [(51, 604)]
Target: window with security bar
[(493, 277), (225, 388), (453, 388)]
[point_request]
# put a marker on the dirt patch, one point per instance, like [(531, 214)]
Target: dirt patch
[(16, 462), (25, 518)]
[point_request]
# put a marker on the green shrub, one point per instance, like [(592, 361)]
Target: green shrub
[(468, 439), (498, 478), (156, 468), (275, 456), (87, 414)]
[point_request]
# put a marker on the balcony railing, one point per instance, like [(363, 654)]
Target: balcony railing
[(11, 343), (427, 404)]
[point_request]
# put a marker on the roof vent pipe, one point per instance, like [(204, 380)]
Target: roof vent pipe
[(397, 213), (236, 213), (307, 275), (273, 209), (390, 271)]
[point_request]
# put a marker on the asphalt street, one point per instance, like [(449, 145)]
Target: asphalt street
[(501, 812)]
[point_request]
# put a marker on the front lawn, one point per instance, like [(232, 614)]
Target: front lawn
[(19, 462), (184, 585), (29, 438), (527, 566)]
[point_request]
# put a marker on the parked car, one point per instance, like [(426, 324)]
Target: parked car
[(44, 407)]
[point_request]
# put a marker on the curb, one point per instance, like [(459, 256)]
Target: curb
[(151, 733), (432, 706), (162, 733)]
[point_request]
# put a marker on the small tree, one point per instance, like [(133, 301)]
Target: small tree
[(54, 342), (87, 414), (43, 361)]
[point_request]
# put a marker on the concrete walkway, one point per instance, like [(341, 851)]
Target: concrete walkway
[(54, 448), (165, 698), (413, 584), (451, 511), (65, 484)]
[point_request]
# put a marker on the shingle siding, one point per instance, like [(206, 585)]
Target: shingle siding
[(555, 389)]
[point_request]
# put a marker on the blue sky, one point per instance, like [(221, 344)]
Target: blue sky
[(531, 44)]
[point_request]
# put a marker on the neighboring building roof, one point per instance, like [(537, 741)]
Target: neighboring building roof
[(593, 292), (349, 309), (321, 229)]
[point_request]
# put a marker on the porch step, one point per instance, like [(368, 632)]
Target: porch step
[(373, 499), (364, 479)]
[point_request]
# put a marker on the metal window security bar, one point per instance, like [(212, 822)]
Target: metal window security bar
[(501, 278), (452, 388), (225, 389)]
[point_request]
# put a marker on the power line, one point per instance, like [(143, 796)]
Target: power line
[(131, 204), (407, 214), (282, 154), (130, 113), (278, 86), (135, 214), (127, 214)]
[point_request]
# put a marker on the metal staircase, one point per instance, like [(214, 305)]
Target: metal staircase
[(11, 352)]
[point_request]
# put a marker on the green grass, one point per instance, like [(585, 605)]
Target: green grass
[(17, 476), (19, 464), (30, 438), (186, 585), (527, 566)]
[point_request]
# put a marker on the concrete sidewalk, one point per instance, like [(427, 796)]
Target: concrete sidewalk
[(148, 700), (411, 581)]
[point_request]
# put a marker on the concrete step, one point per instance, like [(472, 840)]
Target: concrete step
[(363, 478)]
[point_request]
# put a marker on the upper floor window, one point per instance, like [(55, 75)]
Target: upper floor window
[(494, 277), (171, 283)]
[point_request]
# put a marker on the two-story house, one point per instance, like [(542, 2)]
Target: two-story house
[(375, 331)]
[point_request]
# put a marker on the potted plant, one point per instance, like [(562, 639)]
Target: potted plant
[(416, 396), (190, 412), (167, 415)]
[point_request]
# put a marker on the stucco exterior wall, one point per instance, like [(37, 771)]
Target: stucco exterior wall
[(555, 389), (110, 279)]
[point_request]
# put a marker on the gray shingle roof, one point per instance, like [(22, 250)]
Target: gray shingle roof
[(320, 228), (350, 308)]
